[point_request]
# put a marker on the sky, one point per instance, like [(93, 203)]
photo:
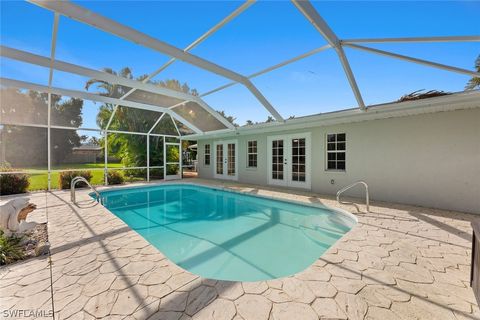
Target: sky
[(267, 33)]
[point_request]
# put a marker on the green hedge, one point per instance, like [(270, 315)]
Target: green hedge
[(13, 183), (65, 178), (115, 177)]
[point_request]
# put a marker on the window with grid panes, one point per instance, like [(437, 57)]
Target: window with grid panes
[(336, 151), (207, 155), (252, 154)]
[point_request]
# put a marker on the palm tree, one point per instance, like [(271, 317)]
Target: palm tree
[(474, 82), (131, 149)]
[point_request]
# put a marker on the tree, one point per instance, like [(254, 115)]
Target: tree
[(94, 141), (131, 149), (229, 118), (474, 82), (270, 119)]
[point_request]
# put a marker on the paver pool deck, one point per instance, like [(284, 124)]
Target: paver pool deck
[(398, 262)]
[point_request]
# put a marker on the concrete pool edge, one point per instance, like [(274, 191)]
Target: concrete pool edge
[(338, 210), (342, 217)]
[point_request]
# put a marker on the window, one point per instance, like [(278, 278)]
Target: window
[(252, 154), (206, 158), (336, 147)]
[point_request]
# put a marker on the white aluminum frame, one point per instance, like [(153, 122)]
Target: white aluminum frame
[(88, 17), (307, 9), (56, 19), (27, 57), (95, 20), (271, 68), (93, 97), (415, 60)]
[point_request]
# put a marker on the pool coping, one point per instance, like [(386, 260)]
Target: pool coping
[(228, 189)]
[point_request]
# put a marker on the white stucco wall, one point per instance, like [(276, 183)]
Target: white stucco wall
[(430, 160)]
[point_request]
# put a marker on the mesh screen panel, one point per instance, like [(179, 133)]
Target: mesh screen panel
[(199, 117), (156, 151), (184, 130), (23, 147), (152, 98), (23, 107), (133, 119), (165, 126)]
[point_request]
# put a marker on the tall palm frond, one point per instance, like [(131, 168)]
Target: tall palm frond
[(474, 82)]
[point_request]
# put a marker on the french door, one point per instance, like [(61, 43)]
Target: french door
[(289, 160), (226, 160)]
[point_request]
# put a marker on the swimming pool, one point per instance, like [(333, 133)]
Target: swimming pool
[(227, 235)]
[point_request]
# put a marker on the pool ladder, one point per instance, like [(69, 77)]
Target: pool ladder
[(367, 197), (74, 182)]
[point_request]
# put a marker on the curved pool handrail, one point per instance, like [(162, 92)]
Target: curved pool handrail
[(367, 197), (82, 179)]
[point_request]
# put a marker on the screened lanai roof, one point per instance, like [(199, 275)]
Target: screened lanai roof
[(165, 108)]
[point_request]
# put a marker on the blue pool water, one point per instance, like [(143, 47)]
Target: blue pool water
[(227, 235)]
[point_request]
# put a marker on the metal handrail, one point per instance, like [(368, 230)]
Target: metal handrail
[(82, 179), (367, 197)]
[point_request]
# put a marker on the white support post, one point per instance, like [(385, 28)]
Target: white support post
[(148, 157), (56, 18), (105, 24), (175, 124), (415, 60), (311, 14), (181, 159), (105, 170), (114, 111), (49, 138), (164, 158)]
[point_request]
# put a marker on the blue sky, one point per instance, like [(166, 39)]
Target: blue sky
[(266, 34)]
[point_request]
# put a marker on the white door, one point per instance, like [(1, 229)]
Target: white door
[(289, 160), (225, 159), (173, 160)]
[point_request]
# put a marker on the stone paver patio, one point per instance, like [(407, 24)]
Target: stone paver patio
[(398, 262)]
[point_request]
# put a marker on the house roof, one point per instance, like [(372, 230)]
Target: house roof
[(456, 101), (86, 147)]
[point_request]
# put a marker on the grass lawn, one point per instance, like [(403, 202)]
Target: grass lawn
[(39, 177)]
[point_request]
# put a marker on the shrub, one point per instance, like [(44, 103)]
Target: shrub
[(12, 183), (134, 175), (156, 174), (10, 249), (65, 178), (173, 169), (115, 177)]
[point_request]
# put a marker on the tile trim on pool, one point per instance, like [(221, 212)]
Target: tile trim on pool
[(229, 189)]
